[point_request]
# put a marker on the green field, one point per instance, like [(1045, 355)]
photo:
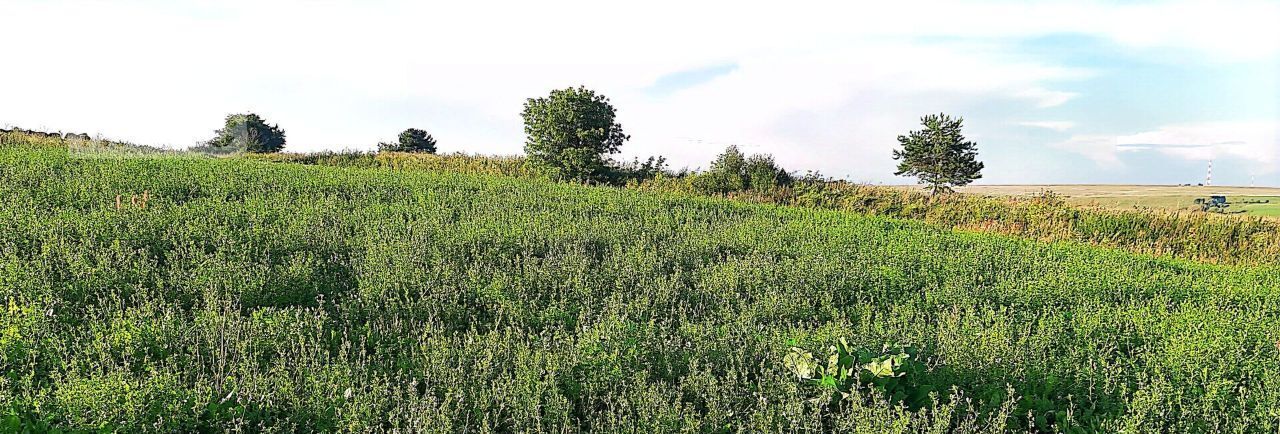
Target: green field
[(1244, 205), (1271, 207), (1156, 197), (267, 297)]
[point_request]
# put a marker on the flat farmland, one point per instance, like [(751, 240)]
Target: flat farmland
[(1253, 201)]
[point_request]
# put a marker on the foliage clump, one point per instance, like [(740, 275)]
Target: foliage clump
[(571, 132), (635, 171), (246, 132), (733, 171), (939, 155), (411, 140), (896, 373)]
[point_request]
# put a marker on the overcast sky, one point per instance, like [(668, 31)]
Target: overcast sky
[(1053, 92)]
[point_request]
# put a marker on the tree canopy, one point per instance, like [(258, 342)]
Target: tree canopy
[(411, 140), (939, 155), (247, 132), (570, 132)]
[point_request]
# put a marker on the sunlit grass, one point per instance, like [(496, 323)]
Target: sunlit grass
[(261, 297)]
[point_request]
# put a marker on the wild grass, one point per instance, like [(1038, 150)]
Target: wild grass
[(1198, 236), (1204, 237), (463, 163), (261, 297)]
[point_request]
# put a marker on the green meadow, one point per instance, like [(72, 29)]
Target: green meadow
[(1265, 206), (178, 293)]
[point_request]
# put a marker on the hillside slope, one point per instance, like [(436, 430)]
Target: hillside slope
[(280, 297), (1205, 237)]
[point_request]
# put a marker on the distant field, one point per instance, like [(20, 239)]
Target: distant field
[(1147, 196)]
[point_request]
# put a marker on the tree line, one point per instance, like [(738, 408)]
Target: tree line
[(571, 133)]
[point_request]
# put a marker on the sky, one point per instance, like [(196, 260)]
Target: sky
[(1132, 92)]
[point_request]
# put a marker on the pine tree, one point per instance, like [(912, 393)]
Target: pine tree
[(939, 156)]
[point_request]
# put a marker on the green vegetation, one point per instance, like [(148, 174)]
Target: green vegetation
[(1223, 239), (1180, 203), (733, 172), (1262, 206), (256, 296), (571, 132), (939, 155), (1151, 198), (245, 132), (411, 140)]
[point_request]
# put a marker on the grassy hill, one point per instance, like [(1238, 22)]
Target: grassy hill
[(1167, 232), (266, 297)]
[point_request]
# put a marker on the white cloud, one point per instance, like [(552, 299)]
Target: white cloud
[(826, 85), (1099, 148), (1045, 98), (1049, 125), (837, 109), (1257, 142)]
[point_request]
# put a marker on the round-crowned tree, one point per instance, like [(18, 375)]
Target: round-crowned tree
[(570, 132), (411, 140), (248, 132)]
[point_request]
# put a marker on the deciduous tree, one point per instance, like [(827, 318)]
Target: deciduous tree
[(570, 132)]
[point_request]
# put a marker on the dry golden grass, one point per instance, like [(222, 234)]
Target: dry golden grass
[(1107, 190), (1155, 197)]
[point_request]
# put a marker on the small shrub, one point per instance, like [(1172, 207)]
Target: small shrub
[(896, 373), (763, 174), (637, 171), (732, 171)]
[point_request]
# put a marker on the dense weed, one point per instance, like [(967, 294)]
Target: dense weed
[(1197, 236), (267, 297)]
